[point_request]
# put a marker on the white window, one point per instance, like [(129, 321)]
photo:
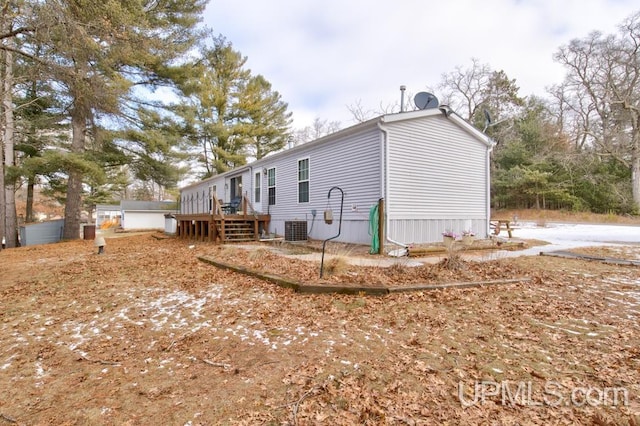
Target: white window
[(271, 185), (303, 180)]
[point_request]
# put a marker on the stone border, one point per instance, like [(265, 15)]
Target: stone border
[(299, 287)]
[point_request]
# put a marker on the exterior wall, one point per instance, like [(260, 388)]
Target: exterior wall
[(351, 162), (41, 233), (143, 220), (438, 180), (247, 184), (195, 198)]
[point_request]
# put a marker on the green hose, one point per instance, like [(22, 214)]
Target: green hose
[(373, 230)]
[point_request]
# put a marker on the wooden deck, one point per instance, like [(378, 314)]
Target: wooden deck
[(221, 228), (245, 224)]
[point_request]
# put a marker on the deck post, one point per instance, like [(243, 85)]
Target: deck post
[(256, 229)]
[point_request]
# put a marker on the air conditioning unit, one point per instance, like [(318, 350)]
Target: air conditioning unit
[(295, 231)]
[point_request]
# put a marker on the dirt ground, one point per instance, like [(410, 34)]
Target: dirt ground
[(146, 334)]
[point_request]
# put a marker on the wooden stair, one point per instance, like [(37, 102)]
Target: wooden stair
[(233, 230)]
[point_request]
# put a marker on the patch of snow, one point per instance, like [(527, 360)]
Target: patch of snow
[(563, 236), (556, 327)]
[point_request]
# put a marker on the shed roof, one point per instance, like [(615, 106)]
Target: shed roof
[(147, 205)]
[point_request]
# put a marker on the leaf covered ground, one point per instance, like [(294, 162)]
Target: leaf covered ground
[(146, 334)]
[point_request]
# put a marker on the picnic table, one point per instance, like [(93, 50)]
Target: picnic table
[(496, 225)]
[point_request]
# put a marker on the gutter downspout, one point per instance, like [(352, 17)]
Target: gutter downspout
[(385, 185), (488, 189)]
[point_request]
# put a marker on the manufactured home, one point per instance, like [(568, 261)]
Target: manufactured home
[(427, 170)]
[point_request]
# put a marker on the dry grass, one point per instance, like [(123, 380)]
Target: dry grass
[(544, 216), (154, 336), (336, 265), (453, 261), (257, 254)]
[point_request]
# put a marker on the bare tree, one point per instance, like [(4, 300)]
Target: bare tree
[(464, 88), (316, 130), (471, 91), (360, 113), (602, 91)]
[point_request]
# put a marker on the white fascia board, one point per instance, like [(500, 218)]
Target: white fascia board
[(439, 111)]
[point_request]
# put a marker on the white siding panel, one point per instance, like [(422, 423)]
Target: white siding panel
[(437, 171), (438, 181), (143, 220), (415, 231), (353, 231), (195, 198), (352, 163)]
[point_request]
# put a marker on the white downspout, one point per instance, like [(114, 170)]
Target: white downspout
[(488, 189), (385, 186)]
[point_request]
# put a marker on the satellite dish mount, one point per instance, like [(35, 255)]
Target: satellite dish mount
[(425, 100)]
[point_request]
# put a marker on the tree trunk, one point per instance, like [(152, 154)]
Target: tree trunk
[(635, 178), (11, 220), (73, 203), (3, 210), (29, 213)]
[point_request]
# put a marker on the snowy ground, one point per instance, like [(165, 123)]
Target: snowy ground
[(563, 236)]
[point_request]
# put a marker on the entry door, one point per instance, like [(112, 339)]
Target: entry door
[(236, 187), (257, 192)]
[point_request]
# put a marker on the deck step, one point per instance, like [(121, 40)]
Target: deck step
[(237, 229)]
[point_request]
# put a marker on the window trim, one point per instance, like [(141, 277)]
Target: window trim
[(257, 187), (274, 186), (307, 180)]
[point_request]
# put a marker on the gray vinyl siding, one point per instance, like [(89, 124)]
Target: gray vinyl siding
[(195, 198), (351, 162), (438, 180)]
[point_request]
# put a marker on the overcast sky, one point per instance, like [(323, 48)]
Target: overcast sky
[(324, 55)]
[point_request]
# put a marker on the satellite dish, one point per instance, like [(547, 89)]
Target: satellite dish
[(425, 100)]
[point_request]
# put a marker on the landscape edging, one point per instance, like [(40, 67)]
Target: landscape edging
[(371, 291)]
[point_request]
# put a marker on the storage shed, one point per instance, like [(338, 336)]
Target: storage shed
[(145, 214)]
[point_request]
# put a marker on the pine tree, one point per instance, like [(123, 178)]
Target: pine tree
[(98, 51), (228, 114), (266, 120)]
